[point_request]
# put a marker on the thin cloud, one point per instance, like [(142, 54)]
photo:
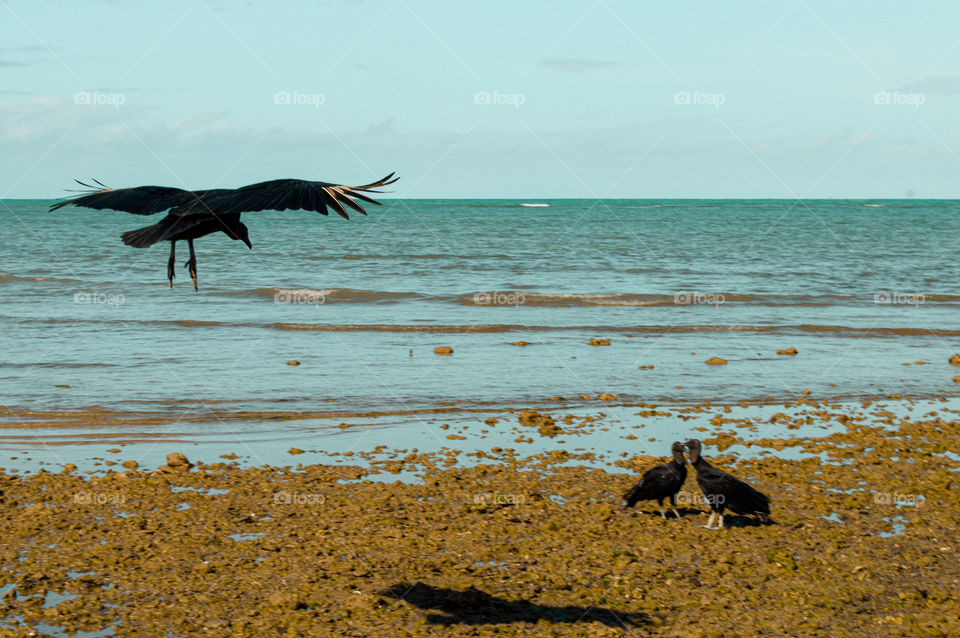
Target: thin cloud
[(935, 85), (577, 65)]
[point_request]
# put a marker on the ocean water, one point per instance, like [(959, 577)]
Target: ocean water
[(858, 287)]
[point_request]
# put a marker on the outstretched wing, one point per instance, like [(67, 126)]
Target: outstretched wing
[(142, 200), (290, 194)]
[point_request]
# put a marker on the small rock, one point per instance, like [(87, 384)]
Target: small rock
[(285, 600), (649, 367), (519, 343), (955, 360), (130, 465), (177, 461), (114, 450), (70, 467), (716, 361), (294, 450), (599, 342), (456, 437), (956, 379), (788, 351), (607, 397), (293, 362), (443, 350)]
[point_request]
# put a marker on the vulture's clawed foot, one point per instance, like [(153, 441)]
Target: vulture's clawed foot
[(191, 265)]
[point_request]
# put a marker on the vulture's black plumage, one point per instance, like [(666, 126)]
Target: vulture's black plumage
[(660, 482), (193, 214), (724, 491)]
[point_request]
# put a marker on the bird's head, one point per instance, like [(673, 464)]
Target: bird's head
[(677, 450), (693, 448)]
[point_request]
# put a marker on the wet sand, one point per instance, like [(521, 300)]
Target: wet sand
[(501, 542)]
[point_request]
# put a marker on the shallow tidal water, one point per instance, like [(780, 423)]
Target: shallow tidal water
[(90, 328)]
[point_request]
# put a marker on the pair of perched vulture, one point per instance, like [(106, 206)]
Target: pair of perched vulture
[(194, 214), (721, 490)]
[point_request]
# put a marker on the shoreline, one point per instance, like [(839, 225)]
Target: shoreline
[(504, 543), (97, 440)]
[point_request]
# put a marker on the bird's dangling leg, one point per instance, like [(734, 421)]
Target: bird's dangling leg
[(192, 264), (170, 263)]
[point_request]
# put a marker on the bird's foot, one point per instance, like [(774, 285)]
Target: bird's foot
[(191, 265), (676, 513)]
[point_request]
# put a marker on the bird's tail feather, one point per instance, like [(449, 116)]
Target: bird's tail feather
[(143, 237), (633, 495)]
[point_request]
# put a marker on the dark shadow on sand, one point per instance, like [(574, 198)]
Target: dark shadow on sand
[(684, 512), (737, 520), (475, 607)]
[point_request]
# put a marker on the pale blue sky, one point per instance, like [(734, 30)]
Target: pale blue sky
[(587, 98)]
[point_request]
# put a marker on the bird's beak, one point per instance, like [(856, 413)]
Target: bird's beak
[(247, 242)]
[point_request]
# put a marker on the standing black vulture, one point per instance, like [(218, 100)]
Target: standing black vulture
[(194, 214), (660, 482), (724, 491)]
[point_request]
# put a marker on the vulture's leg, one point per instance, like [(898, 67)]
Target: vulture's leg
[(673, 505), (660, 507), (173, 246), (192, 264), (709, 524)]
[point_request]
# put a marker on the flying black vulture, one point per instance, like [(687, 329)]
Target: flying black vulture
[(724, 491), (661, 482), (193, 214)]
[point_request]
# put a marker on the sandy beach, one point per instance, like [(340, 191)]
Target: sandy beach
[(501, 542)]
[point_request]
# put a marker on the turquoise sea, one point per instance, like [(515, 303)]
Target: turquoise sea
[(859, 288)]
